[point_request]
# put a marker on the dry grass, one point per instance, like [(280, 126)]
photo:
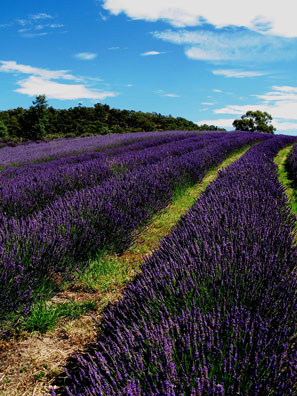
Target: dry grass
[(31, 363)]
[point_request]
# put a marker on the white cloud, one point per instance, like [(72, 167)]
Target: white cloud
[(239, 109), (33, 19), (41, 15), (22, 22), (285, 88), (149, 53), (284, 126), (217, 90), (32, 35), (35, 22), (91, 79), (277, 96), (55, 25), (229, 45), (237, 73), (34, 85), (279, 103), (170, 95), (282, 110), (12, 66), (205, 54), (86, 55), (221, 122), (227, 123), (161, 92), (207, 103), (269, 18), (40, 82)]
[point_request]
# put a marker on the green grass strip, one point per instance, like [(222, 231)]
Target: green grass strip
[(280, 161), (45, 317), (110, 271)]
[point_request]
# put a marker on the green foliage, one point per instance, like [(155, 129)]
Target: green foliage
[(205, 127), (42, 121), (34, 121), (3, 131), (39, 375), (104, 130), (254, 121), (39, 117)]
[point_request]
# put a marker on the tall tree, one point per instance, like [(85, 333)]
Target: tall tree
[(254, 121), (39, 117)]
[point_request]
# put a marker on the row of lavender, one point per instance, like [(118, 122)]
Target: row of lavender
[(42, 151), (134, 158), (39, 168), (82, 223), (27, 189), (291, 165), (214, 310)]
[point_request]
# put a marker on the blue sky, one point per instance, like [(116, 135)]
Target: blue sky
[(205, 61)]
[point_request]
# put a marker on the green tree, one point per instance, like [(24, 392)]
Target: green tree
[(40, 120), (39, 117), (3, 131), (254, 121)]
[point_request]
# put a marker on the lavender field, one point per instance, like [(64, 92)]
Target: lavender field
[(213, 310), (40, 151)]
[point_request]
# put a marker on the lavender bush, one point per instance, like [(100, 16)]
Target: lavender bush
[(84, 222), (214, 310)]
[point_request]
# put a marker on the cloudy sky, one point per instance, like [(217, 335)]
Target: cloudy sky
[(208, 61)]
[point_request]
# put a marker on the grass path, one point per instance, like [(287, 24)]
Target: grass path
[(31, 362), (112, 269), (280, 161)]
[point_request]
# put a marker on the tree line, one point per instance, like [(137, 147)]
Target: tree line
[(41, 121)]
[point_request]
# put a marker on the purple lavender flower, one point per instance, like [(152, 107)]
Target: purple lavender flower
[(213, 311)]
